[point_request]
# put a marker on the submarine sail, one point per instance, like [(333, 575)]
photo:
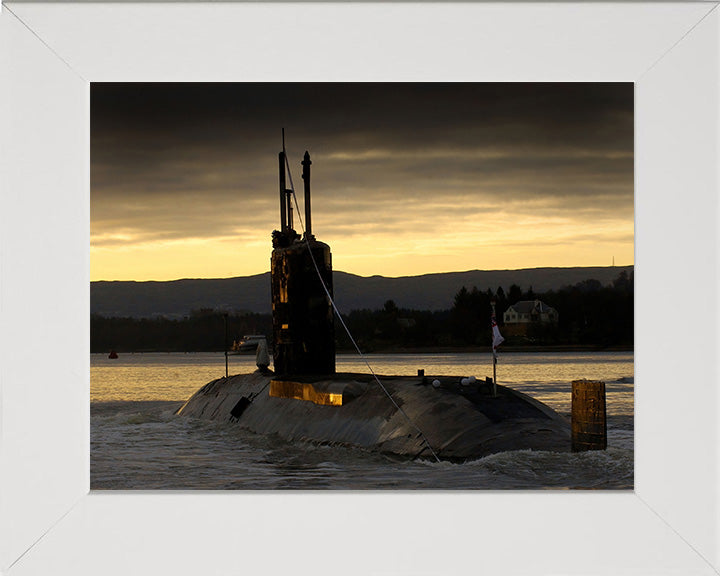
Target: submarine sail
[(301, 280)]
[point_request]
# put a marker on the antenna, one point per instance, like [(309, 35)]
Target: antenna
[(283, 201), (306, 179)]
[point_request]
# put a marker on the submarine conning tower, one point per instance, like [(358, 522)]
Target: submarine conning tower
[(303, 322)]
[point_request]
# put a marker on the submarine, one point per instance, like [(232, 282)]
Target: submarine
[(303, 399)]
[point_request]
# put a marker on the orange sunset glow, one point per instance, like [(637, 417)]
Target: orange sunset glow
[(407, 179)]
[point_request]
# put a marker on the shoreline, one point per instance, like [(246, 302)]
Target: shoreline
[(487, 349), (422, 350)]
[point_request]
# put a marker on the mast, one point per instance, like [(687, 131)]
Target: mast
[(306, 182), (283, 192)]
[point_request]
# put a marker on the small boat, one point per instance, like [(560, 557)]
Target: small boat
[(247, 343)]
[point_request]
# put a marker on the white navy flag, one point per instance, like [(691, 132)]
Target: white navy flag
[(497, 337)]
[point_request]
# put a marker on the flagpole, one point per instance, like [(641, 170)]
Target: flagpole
[(492, 303), (494, 374)]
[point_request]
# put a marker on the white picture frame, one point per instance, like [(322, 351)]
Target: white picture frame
[(50, 522)]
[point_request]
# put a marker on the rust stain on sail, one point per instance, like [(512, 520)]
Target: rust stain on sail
[(304, 391)]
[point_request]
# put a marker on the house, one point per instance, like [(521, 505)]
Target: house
[(519, 317)]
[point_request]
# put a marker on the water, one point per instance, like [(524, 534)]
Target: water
[(138, 443)]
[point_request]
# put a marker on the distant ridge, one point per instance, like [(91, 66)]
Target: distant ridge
[(178, 298)]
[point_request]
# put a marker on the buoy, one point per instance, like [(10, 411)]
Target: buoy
[(589, 416), (113, 355), (436, 383)]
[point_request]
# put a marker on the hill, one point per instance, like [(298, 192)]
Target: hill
[(175, 299)]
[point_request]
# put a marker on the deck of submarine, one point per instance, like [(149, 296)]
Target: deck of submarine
[(460, 422)]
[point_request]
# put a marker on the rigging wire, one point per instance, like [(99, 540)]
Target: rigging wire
[(337, 312)]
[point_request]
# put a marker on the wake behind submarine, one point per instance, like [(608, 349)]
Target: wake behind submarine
[(305, 400)]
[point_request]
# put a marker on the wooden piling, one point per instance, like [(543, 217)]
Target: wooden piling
[(589, 416)]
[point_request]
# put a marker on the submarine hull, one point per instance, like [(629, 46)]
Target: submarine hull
[(460, 422)]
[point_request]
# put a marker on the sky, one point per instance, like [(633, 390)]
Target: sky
[(407, 179)]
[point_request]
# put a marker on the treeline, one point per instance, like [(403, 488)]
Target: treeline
[(590, 314), (201, 331)]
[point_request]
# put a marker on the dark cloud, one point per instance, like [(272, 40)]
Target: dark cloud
[(170, 161), (327, 117)]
